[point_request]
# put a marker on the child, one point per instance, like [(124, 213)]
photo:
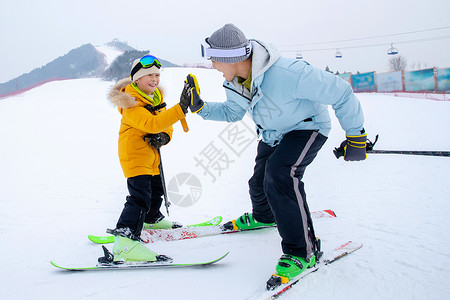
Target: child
[(146, 125)]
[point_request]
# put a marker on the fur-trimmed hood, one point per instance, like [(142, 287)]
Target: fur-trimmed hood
[(119, 98)]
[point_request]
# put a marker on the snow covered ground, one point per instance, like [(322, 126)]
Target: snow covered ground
[(60, 180)]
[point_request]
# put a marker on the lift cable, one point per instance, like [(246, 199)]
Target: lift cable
[(375, 45), (365, 38)]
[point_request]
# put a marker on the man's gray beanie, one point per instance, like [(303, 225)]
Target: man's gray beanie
[(228, 37)]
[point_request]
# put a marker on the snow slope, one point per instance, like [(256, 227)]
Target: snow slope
[(60, 180), (110, 53)]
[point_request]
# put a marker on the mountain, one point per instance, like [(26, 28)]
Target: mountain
[(122, 46), (111, 61), (82, 62)]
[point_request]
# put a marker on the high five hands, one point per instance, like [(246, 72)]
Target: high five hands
[(190, 96)]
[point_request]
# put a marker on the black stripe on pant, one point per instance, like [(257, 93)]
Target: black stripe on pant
[(277, 191)]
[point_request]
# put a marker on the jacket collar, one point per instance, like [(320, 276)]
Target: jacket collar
[(123, 95), (154, 100), (263, 57)]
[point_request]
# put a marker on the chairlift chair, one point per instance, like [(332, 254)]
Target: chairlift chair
[(338, 53), (299, 55), (392, 50)]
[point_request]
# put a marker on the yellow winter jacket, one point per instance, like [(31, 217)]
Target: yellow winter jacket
[(136, 156)]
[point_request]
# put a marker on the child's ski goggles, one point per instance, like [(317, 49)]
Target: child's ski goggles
[(146, 62)]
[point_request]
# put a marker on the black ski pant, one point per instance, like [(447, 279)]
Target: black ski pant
[(143, 204), (277, 191)]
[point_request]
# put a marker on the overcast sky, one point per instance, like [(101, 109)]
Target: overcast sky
[(33, 33)]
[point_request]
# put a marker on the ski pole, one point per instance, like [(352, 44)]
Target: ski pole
[(163, 182), (406, 152), (338, 152)]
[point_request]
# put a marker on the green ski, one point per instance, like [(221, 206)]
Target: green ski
[(138, 265)]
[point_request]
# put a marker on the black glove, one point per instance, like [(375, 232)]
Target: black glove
[(354, 147), (185, 98), (157, 140), (196, 104)]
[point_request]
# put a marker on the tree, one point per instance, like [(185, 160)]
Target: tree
[(397, 63), (120, 67)]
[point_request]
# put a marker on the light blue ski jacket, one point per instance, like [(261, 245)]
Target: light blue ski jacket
[(287, 94)]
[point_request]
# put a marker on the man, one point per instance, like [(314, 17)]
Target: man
[(287, 99)]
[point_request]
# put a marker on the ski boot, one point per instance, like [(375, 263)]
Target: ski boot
[(288, 267), (245, 222), (162, 224), (128, 248)]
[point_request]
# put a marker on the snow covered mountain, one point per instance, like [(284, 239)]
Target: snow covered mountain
[(86, 61), (60, 180), (110, 53), (82, 62)]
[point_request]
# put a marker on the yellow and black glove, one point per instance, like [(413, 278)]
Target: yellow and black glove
[(353, 148), (196, 103)]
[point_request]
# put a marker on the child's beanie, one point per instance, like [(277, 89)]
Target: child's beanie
[(143, 71)]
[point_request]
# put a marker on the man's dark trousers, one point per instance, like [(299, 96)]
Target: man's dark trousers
[(277, 191)]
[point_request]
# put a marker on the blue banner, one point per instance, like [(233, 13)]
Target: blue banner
[(389, 82), (364, 82), (417, 81), (443, 79)]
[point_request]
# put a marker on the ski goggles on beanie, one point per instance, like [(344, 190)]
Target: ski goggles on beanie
[(212, 52), (146, 62)]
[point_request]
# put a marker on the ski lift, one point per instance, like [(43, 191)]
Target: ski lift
[(392, 50), (338, 53), (299, 55)]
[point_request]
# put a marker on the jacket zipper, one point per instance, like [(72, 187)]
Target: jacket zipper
[(242, 95)]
